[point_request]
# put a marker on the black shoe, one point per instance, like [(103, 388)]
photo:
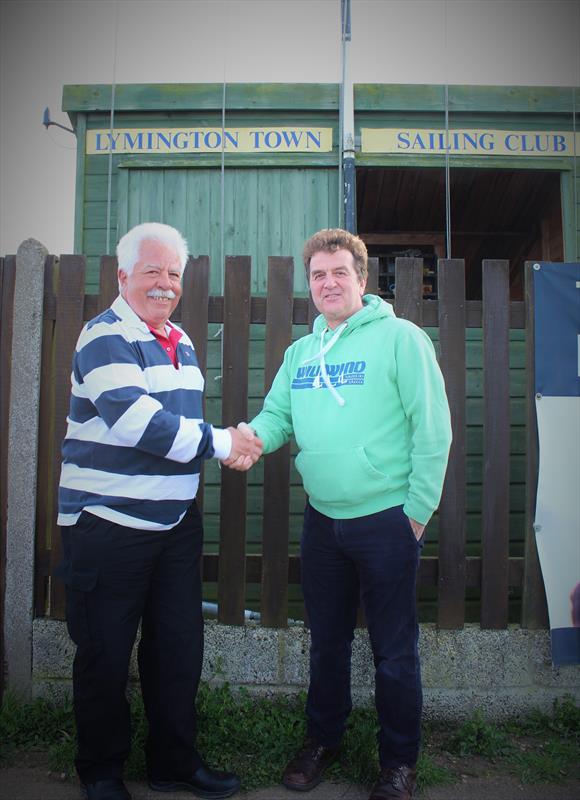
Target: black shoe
[(306, 769), (204, 782), (107, 789)]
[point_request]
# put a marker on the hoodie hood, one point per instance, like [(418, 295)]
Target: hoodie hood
[(373, 308)]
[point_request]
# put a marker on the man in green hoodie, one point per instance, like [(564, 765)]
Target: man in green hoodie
[(365, 400)]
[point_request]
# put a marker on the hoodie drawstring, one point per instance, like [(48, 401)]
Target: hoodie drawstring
[(324, 348)]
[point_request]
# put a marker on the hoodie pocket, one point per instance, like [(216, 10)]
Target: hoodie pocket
[(340, 477)]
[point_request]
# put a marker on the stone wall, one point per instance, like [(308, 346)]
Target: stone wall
[(504, 673)]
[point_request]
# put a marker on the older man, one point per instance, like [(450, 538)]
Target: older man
[(364, 398), (132, 533)]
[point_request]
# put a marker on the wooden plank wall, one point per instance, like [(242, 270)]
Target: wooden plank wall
[(254, 519)]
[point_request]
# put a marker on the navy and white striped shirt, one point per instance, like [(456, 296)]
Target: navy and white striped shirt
[(135, 437)]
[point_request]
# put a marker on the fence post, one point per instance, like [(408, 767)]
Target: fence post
[(451, 575), (235, 362), (496, 446), (22, 467), (276, 492), (534, 605)]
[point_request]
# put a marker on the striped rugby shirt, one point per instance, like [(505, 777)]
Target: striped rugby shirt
[(135, 438)]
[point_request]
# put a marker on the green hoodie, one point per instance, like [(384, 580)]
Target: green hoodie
[(374, 431)]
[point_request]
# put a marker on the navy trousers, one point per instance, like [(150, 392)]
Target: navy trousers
[(115, 578), (374, 558)]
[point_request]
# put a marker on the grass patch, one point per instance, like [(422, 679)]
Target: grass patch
[(538, 748), (548, 748), (32, 726), (255, 737)]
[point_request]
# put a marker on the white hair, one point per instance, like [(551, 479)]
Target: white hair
[(130, 244)]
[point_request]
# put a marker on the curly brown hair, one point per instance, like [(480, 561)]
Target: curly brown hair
[(329, 240)]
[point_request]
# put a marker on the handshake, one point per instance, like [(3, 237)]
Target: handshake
[(246, 448)]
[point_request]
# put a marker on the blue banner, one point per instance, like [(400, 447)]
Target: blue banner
[(557, 316), (557, 386)]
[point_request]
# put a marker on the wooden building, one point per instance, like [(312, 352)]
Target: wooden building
[(506, 189)]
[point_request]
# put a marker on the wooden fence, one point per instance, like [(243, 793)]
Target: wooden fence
[(451, 572)]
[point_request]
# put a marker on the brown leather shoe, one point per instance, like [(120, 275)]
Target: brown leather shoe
[(306, 769), (395, 783)]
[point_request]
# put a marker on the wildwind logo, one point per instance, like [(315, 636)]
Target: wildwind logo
[(349, 373)]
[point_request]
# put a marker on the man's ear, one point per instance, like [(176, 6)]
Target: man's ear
[(122, 276)]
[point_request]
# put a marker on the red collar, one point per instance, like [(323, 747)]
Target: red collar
[(168, 343)]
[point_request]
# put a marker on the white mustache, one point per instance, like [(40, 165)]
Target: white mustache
[(169, 294)]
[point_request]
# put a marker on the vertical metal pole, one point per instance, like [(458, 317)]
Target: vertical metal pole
[(347, 143), (111, 129)]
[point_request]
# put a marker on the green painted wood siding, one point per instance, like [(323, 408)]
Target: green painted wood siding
[(267, 212)]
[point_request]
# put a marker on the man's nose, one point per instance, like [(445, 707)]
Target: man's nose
[(164, 280)]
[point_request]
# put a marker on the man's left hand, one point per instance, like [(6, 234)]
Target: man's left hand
[(417, 528)]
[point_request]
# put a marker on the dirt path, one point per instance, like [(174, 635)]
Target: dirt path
[(28, 778)]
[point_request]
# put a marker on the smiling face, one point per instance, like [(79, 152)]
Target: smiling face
[(153, 288), (335, 285)]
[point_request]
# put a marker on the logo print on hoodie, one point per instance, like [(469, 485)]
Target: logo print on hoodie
[(349, 373)]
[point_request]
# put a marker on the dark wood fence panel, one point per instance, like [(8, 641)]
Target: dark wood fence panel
[(305, 311), (496, 481), (236, 349), (194, 306), (373, 276), (7, 281), (68, 324), (45, 509), (534, 604), (451, 583), (447, 570), (108, 284), (275, 527), (194, 320), (409, 289)]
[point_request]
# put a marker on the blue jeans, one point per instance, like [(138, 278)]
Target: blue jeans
[(373, 558)]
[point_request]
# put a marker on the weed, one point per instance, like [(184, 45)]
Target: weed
[(545, 761), (32, 725), (550, 749), (478, 737), (538, 748), (359, 748), (431, 774)]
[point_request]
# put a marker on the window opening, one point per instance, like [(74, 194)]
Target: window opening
[(497, 214)]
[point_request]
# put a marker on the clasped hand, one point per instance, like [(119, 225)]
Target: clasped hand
[(246, 448)]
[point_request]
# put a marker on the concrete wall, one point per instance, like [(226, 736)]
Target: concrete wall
[(504, 673)]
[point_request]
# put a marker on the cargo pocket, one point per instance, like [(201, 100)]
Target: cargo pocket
[(80, 583)]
